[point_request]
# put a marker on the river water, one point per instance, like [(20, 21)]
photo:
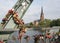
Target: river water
[(30, 33)]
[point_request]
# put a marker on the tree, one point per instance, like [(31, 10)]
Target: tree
[(31, 24), (58, 22), (55, 22), (45, 23)]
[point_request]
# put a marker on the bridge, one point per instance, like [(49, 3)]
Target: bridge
[(9, 26)]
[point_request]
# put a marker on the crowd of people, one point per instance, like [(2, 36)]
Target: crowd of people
[(46, 38)]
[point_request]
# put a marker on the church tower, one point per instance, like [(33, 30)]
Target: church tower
[(42, 15)]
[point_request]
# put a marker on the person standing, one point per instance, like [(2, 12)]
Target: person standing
[(21, 33)]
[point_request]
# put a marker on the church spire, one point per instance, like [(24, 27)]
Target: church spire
[(42, 15)]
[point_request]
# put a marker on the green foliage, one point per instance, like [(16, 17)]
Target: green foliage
[(41, 23), (45, 23), (55, 22), (31, 23)]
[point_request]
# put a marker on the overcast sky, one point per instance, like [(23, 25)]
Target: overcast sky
[(51, 9)]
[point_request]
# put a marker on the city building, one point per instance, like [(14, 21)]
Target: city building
[(42, 15), (36, 22)]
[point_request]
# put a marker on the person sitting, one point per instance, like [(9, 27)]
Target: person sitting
[(15, 18), (4, 20), (27, 38), (36, 38), (18, 22), (48, 36), (7, 15), (58, 38), (22, 21), (11, 11)]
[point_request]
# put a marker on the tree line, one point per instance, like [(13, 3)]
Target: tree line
[(48, 23)]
